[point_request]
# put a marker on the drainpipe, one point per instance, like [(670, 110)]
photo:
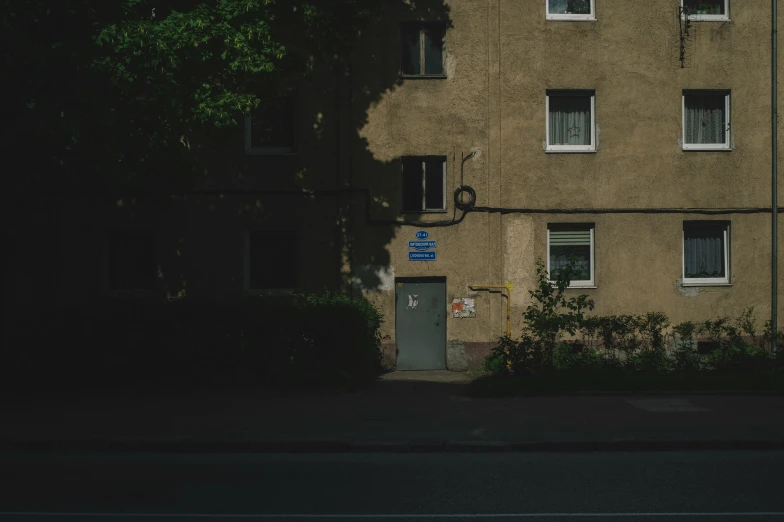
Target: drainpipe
[(775, 202), (508, 287)]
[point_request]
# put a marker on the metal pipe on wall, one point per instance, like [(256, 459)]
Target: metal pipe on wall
[(774, 181)]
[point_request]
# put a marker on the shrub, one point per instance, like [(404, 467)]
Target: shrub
[(329, 339), (631, 345), (685, 357), (546, 322)]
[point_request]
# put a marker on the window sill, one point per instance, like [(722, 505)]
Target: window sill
[(707, 18), (409, 212), (423, 76), (570, 18), (705, 284), (587, 286), (566, 151), (706, 149)]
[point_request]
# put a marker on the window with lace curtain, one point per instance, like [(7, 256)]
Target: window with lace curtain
[(570, 121), (706, 120), (706, 253)]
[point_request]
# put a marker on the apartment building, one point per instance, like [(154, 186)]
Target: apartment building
[(634, 136)]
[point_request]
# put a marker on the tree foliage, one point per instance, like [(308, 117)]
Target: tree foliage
[(107, 87)]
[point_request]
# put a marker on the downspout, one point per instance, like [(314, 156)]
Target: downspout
[(774, 196)]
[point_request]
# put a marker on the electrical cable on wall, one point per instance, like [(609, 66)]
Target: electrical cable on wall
[(465, 200)]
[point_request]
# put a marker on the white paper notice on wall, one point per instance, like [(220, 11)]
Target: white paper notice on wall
[(463, 308)]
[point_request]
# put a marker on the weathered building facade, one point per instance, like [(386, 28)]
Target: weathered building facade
[(634, 137), (630, 113)]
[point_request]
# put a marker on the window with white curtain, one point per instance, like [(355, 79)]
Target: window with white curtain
[(706, 252), (706, 120), (706, 10), (567, 242), (570, 10), (570, 121)]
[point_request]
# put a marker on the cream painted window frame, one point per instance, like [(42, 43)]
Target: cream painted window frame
[(709, 17), (727, 145), (708, 281), (591, 17), (549, 148), (582, 283)]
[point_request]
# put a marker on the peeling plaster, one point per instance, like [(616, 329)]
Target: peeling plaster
[(688, 291)]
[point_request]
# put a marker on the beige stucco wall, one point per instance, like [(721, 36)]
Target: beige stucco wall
[(503, 56)]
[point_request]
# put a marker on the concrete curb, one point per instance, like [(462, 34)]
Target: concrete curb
[(623, 393), (190, 446)]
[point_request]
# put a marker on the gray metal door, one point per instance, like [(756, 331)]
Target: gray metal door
[(420, 323)]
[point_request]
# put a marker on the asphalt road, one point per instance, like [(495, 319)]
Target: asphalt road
[(622, 487)]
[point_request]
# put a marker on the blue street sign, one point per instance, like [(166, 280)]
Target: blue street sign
[(421, 256), (422, 245), (422, 234)]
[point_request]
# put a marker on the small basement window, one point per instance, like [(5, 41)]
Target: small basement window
[(707, 347), (424, 183)]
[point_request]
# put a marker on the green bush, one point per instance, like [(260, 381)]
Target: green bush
[(309, 340), (561, 347), (685, 356)]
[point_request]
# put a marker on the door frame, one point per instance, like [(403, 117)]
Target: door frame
[(424, 279)]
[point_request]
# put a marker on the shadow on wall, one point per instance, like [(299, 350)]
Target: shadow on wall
[(198, 206), (376, 72), (358, 195)]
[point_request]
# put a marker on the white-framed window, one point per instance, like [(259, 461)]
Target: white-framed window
[(706, 252), (424, 183), (271, 262), (131, 261), (571, 122), (572, 241), (422, 49), (706, 120), (271, 130), (706, 10), (570, 10)]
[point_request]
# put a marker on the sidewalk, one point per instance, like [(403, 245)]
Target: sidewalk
[(405, 411)]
